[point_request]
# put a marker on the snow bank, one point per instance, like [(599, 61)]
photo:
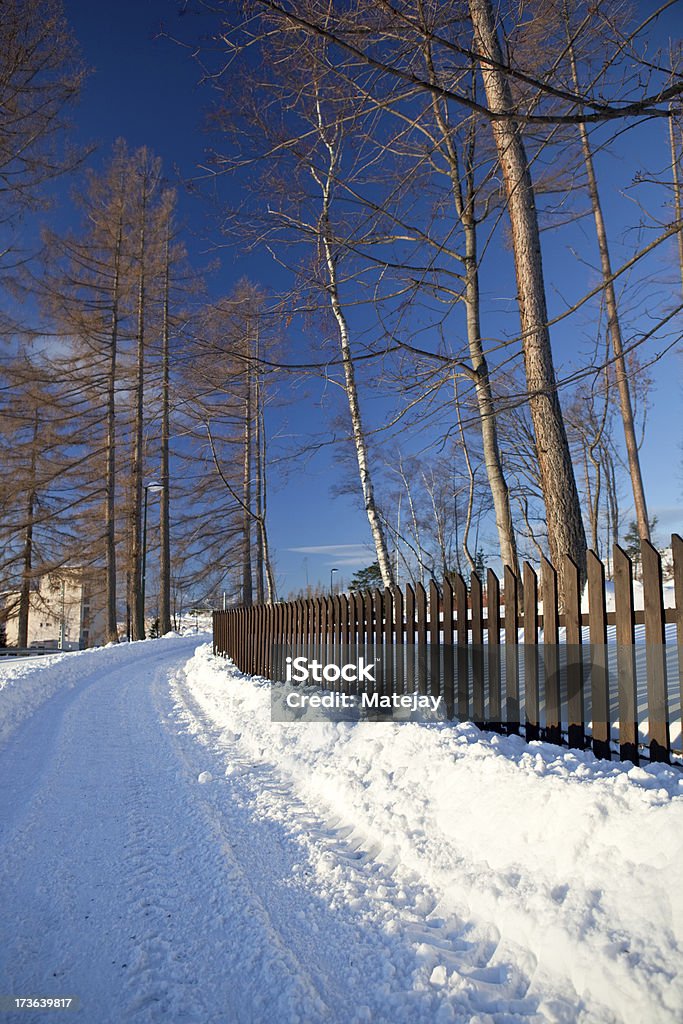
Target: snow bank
[(577, 861)]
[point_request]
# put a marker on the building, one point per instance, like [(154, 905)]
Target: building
[(66, 611)]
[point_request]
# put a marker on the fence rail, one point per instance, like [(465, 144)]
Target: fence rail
[(27, 652), (506, 656)]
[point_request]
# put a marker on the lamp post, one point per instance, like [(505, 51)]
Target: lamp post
[(332, 572), (62, 623), (155, 488)]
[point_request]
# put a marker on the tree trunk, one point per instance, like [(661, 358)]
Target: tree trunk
[(26, 577), (614, 328), (111, 624), (415, 524), (137, 611), (357, 427), (247, 591), (258, 475), (262, 501), (487, 413), (367, 489), (566, 534), (27, 559), (464, 206), (164, 497), (470, 491), (676, 179), (613, 499)]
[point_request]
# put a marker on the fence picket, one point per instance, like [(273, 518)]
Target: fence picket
[(478, 679), (551, 653), (677, 553), (461, 630), (389, 682), (626, 661), (344, 649), (531, 695), (576, 730), (399, 635), (411, 625), (359, 602), (378, 605), (337, 624), (512, 716), (421, 603), (495, 714), (448, 661), (655, 653), (597, 606), (369, 631), (434, 640), (353, 621)]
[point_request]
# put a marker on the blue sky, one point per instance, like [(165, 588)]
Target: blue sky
[(146, 89)]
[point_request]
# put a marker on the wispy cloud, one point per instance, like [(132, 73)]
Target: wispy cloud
[(347, 555)]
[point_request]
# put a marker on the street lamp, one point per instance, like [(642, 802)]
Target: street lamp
[(155, 488), (332, 572)]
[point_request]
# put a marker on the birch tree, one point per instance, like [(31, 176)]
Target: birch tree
[(305, 150), (329, 135)]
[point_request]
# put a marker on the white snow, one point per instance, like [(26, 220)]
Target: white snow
[(668, 596), (343, 872)]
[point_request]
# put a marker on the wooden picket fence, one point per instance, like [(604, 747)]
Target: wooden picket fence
[(602, 680)]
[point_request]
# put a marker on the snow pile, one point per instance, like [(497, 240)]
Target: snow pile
[(576, 864)]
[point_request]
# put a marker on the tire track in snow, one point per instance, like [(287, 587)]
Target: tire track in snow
[(55, 865), (116, 891), (232, 958), (409, 965)]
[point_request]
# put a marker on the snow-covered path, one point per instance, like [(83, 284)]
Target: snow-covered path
[(118, 890), (136, 888), (168, 854)]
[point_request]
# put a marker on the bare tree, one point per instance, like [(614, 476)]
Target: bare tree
[(464, 193), (224, 417), (349, 69), (40, 75), (676, 148), (85, 290), (45, 427), (565, 525), (330, 136), (613, 323), (146, 181), (164, 514)]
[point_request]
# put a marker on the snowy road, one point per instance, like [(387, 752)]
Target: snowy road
[(119, 889), (169, 854)]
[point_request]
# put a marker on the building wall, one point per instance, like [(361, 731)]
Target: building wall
[(71, 596)]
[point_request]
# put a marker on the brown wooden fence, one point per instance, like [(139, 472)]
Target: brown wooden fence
[(516, 663)]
